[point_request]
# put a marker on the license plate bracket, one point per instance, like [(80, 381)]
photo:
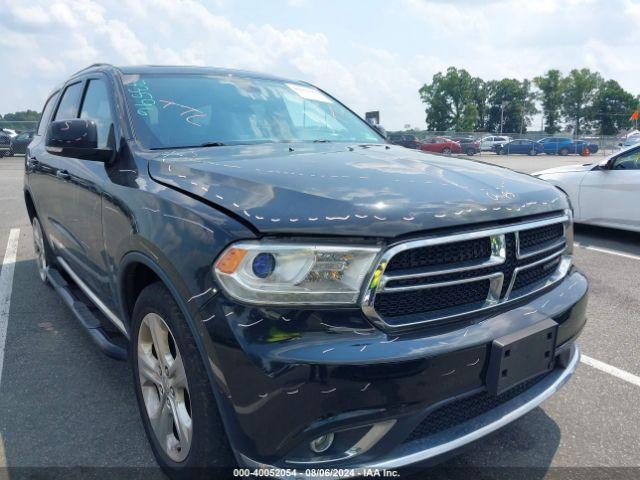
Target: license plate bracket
[(520, 356)]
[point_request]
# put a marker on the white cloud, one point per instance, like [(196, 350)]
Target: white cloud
[(380, 65)]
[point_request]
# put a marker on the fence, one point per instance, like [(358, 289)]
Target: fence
[(607, 144), (19, 126)]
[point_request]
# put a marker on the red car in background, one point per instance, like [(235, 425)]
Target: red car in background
[(440, 145)]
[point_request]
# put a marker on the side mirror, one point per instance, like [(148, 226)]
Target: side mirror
[(76, 138)]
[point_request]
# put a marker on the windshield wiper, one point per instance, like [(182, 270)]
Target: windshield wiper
[(212, 144)]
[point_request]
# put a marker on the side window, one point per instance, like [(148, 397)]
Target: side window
[(97, 107), (46, 113), (628, 161), (68, 107)]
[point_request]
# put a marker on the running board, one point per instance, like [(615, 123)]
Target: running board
[(86, 318)]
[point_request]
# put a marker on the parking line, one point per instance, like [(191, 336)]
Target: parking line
[(609, 251), (6, 286), (616, 372)]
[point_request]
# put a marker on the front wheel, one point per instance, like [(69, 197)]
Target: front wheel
[(564, 152), (446, 151), (502, 151), (176, 402), (471, 152), (532, 152)]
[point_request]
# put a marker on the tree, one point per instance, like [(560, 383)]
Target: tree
[(20, 121), (450, 101), (579, 92), (512, 102), (612, 107), (550, 86)]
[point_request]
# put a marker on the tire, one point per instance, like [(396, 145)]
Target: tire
[(564, 152), (471, 152), (204, 450), (44, 255), (502, 151), (446, 151), (532, 152)]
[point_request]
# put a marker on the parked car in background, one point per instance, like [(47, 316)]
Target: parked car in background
[(565, 146), (469, 145), (630, 141), (282, 321), (405, 140), (487, 143), (605, 193), (19, 143), (440, 145), (518, 146), (5, 143), (12, 133)]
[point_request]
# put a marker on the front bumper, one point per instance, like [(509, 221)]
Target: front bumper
[(287, 377), (450, 440)]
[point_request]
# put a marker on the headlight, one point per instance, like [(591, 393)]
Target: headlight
[(568, 232), (294, 274)]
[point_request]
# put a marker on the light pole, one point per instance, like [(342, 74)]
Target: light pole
[(502, 105)]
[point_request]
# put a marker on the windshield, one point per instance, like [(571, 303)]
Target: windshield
[(172, 111)]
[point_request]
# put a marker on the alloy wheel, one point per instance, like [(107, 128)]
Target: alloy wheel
[(38, 246), (164, 386)]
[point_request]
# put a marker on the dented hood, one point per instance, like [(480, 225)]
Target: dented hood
[(358, 190)]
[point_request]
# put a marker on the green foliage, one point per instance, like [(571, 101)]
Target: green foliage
[(457, 101), (450, 101), (512, 101), (20, 121), (550, 86), (579, 90), (612, 107)]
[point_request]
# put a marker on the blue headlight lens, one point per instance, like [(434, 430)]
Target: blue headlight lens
[(263, 265)]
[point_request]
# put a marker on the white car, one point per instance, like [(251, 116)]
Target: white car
[(487, 143), (605, 193), (10, 132)]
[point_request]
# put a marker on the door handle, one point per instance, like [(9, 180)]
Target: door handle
[(63, 174)]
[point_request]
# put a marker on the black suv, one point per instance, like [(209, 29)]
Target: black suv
[(290, 290)]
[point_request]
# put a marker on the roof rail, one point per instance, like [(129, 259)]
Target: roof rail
[(92, 66)]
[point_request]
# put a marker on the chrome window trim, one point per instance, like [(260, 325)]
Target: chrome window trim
[(377, 280)]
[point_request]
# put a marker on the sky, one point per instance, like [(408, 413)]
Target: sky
[(370, 54)]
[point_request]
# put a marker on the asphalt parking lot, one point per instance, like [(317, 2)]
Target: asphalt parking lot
[(64, 404)]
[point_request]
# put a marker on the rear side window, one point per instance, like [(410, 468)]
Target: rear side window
[(46, 113), (97, 107), (70, 102)]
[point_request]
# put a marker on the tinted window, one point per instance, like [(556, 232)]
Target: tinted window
[(68, 107), (628, 161), (189, 110), (97, 107), (46, 113)]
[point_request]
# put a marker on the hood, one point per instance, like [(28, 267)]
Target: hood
[(358, 190), (583, 167)]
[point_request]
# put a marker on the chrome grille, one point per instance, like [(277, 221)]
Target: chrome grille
[(443, 278)]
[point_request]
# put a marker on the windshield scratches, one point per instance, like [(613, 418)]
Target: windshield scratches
[(190, 112)]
